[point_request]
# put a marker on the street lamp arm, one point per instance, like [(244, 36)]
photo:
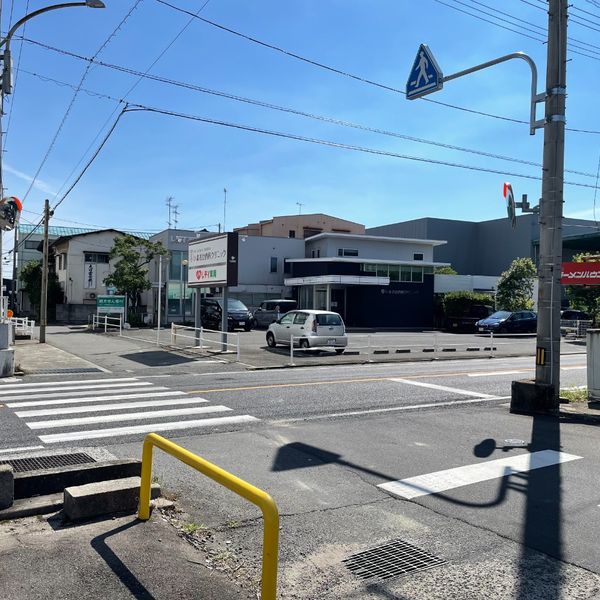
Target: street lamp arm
[(35, 13)]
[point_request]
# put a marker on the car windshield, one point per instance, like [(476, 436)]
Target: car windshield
[(501, 314), (234, 304), (331, 319)]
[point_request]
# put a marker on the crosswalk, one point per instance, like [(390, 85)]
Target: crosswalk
[(71, 411)]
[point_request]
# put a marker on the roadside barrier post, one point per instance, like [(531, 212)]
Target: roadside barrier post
[(491, 344), (292, 351), (120, 325), (240, 487), (105, 323), (172, 334), (238, 347)]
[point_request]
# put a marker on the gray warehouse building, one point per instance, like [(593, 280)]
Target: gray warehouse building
[(488, 247)]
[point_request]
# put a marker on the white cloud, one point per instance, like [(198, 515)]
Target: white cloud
[(583, 214), (39, 184)]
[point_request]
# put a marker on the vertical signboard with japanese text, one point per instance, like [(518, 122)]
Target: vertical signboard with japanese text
[(213, 262)]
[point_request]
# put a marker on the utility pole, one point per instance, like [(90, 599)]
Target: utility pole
[(44, 295), (175, 216), (169, 203), (547, 371), (300, 205), (15, 269)]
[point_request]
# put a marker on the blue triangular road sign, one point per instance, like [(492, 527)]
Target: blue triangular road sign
[(425, 76)]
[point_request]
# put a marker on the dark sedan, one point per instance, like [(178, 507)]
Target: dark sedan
[(503, 321)]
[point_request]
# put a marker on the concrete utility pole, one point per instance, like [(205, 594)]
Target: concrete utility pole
[(547, 372), (44, 293)]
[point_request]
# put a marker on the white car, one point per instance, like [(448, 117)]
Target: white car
[(310, 328)]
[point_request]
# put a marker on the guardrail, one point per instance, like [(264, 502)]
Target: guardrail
[(383, 344), (99, 321), (205, 339), (235, 484), (576, 329), (23, 325)]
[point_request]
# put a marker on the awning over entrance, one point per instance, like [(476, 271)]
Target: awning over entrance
[(337, 280)]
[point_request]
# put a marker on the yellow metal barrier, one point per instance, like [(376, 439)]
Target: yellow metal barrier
[(235, 484)]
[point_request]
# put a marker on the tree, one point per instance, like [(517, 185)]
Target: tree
[(515, 286), (445, 271), (585, 297), (130, 275), (31, 275), (458, 304)]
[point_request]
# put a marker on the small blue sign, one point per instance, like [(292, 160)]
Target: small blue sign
[(425, 76)]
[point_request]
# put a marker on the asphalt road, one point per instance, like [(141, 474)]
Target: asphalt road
[(321, 440)]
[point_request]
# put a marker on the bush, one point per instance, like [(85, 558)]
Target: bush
[(457, 304)]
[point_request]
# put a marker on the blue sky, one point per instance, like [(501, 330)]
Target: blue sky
[(151, 156)]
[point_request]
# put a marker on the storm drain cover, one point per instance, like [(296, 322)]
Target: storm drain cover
[(391, 560), (38, 463)]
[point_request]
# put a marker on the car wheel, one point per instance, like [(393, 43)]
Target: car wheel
[(248, 327), (502, 330), (304, 343), (271, 340), (339, 350)]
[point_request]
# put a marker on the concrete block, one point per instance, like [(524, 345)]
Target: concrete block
[(5, 335), (7, 362), (104, 498), (7, 486)]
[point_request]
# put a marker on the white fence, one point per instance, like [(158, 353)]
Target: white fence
[(107, 323), (576, 329), (205, 339), (23, 325)]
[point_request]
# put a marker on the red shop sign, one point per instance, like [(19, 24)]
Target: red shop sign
[(586, 273)]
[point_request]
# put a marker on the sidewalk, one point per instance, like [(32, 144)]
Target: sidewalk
[(119, 558)]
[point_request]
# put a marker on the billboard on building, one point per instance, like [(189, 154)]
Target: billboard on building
[(583, 273), (213, 262)]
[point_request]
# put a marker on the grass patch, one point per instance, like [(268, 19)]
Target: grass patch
[(191, 528), (575, 394)]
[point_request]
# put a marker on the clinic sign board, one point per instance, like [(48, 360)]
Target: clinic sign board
[(107, 304), (213, 262)]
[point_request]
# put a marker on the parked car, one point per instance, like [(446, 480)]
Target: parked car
[(574, 315), (310, 328), (271, 310), (503, 321), (238, 315), (468, 321)]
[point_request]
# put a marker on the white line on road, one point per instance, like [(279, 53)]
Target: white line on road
[(92, 399), (148, 428), (21, 449), (74, 382), (374, 411), (73, 410), (179, 412), (440, 481), (61, 388), (45, 395), (443, 388), (493, 373), (571, 368)]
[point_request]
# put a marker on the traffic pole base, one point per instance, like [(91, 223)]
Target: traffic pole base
[(531, 398)]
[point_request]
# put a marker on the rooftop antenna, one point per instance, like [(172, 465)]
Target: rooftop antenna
[(300, 205), (175, 215), (224, 208), (169, 203)]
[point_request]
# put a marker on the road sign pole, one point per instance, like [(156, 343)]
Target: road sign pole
[(159, 307)]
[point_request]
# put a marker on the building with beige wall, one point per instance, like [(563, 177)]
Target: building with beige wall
[(300, 226)]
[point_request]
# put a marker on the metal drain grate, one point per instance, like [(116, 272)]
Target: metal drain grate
[(65, 371), (391, 560), (38, 463)]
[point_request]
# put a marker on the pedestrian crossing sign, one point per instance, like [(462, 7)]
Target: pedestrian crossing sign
[(425, 76)]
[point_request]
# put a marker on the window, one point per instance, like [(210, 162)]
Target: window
[(273, 264), (417, 275), (368, 268), (405, 273), (96, 257), (382, 270), (347, 252), (394, 273), (300, 318), (418, 256), (287, 319), (329, 320), (291, 233), (287, 266), (31, 245)]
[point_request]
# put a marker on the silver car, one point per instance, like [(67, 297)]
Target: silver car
[(310, 329)]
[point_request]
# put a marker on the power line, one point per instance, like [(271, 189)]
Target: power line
[(76, 94), (297, 112), (112, 114)]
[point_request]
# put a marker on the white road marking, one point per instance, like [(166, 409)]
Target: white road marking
[(443, 388), (60, 388), (46, 395), (21, 449), (74, 382), (71, 410), (440, 481), (147, 428), (179, 412), (571, 368), (92, 399), (492, 373), (372, 411)]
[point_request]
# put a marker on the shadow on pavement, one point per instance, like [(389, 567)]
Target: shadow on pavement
[(118, 567), (157, 358)]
